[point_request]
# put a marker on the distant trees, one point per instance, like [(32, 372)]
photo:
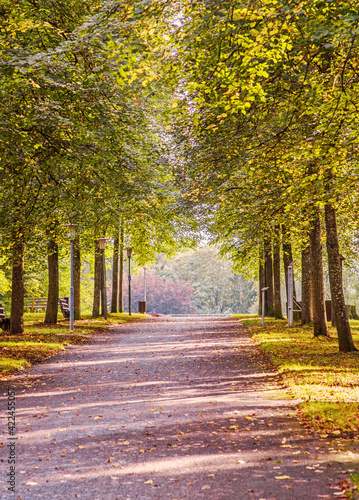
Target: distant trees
[(216, 289), (164, 296)]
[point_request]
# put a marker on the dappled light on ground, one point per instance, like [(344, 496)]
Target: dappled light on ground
[(174, 409)]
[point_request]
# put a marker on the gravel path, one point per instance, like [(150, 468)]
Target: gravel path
[(164, 409)]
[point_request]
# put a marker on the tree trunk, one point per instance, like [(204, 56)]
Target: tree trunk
[(346, 343), (319, 315), (77, 279), (287, 259), (307, 314), (268, 265), (276, 276), (53, 288), (120, 284), (97, 281), (17, 289), (262, 282), (116, 245)]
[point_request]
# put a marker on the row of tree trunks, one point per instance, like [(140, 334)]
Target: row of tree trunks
[(269, 277), (313, 296), (345, 339), (51, 315)]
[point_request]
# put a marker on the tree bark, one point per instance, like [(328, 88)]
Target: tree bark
[(287, 259), (77, 279), (319, 315), (120, 285), (276, 275), (97, 281), (345, 339), (53, 287), (17, 289), (307, 308), (268, 265), (114, 300)]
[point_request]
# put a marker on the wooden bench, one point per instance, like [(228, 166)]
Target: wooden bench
[(4, 321), (35, 303), (64, 306), (39, 303)]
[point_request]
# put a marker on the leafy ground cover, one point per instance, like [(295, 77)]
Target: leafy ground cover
[(40, 341), (326, 381)]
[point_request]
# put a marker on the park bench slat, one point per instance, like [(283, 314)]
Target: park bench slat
[(35, 303)]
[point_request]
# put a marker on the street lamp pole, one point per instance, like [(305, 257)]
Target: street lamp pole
[(102, 243), (129, 253), (71, 235), (144, 283), (290, 293)]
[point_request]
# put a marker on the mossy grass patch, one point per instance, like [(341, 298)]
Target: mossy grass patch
[(41, 341), (315, 372)]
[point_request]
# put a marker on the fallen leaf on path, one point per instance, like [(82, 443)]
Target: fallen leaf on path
[(282, 477), (148, 482), (31, 483)]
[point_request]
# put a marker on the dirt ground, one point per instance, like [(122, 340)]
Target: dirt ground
[(165, 409)]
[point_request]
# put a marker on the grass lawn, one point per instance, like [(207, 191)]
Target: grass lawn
[(326, 381), (40, 341)]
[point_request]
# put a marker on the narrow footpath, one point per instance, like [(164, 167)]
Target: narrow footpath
[(164, 409)]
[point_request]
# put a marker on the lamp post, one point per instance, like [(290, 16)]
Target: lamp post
[(102, 244), (129, 253), (71, 231), (144, 283), (290, 293)]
